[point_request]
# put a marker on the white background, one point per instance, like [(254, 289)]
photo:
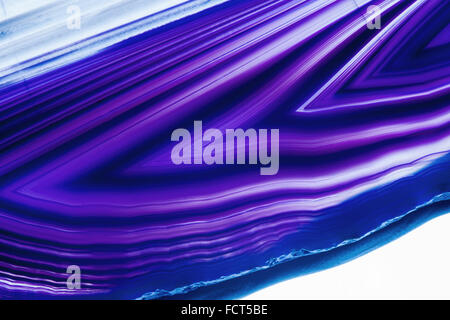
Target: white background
[(415, 266)]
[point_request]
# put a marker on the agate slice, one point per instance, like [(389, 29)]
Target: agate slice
[(91, 93)]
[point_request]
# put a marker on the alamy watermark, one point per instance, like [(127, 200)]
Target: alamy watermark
[(73, 20), (373, 17), (74, 280), (214, 147)]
